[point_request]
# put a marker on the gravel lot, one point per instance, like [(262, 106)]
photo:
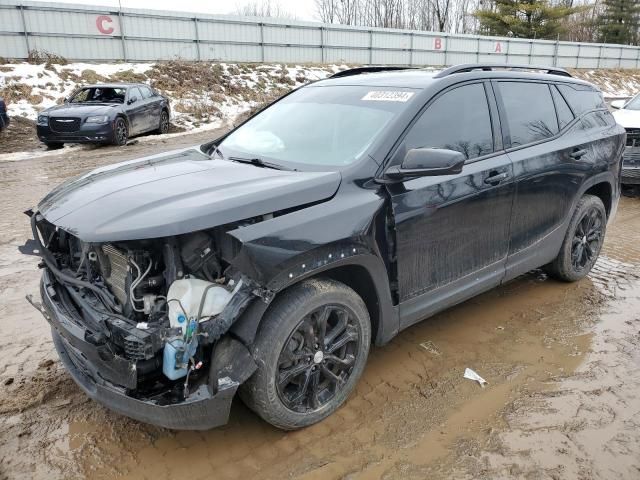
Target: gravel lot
[(562, 361)]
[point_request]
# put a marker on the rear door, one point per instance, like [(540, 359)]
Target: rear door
[(452, 232), (135, 109), (152, 108), (552, 154)]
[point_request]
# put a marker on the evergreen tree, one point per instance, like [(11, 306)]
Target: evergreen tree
[(620, 22), (524, 18)]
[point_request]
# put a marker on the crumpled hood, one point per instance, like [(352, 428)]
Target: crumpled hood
[(627, 118), (80, 109), (174, 193)]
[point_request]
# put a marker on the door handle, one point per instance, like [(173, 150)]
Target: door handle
[(577, 154), (495, 178)]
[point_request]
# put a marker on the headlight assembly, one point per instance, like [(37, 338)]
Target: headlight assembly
[(97, 119), (43, 119)]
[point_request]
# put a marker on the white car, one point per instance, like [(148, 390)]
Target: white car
[(627, 114)]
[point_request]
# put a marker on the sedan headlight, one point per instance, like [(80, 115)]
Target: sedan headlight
[(43, 119), (97, 119)]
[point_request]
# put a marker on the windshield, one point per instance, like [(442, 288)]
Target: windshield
[(99, 95), (634, 103), (318, 126)]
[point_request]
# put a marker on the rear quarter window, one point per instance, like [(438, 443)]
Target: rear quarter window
[(582, 98), (531, 115), (565, 116)]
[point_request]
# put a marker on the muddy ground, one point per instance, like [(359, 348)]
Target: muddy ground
[(20, 136), (562, 361)]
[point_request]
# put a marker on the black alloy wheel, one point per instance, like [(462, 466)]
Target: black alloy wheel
[(582, 242), (587, 239), (310, 350), (164, 122), (317, 358), (120, 132)]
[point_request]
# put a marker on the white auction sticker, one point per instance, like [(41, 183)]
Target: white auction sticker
[(388, 96)]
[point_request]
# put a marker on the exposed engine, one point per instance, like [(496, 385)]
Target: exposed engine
[(158, 303)]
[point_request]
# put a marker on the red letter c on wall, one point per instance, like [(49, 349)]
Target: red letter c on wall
[(100, 21)]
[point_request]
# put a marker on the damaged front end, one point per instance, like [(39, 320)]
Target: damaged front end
[(141, 324)]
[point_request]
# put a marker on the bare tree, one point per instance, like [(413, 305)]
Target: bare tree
[(327, 10), (434, 15), (263, 8)]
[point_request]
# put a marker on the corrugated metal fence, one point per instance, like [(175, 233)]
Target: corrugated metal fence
[(80, 32)]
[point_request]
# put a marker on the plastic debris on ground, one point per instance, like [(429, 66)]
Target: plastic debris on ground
[(471, 375)]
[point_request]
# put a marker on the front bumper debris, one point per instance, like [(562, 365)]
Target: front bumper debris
[(631, 166), (92, 369)]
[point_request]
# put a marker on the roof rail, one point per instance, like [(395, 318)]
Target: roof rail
[(367, 69), (468, 67)]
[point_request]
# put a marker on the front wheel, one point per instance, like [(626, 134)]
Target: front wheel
[(164, 123), (311, 349), (583, 241), (120, 132)]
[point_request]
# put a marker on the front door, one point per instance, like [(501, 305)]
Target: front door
[(452, 232)]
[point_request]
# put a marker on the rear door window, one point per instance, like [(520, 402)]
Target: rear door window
[(531, 115), (457, 120), (135, 92), (564, 112), (146, 92), (582, 98)]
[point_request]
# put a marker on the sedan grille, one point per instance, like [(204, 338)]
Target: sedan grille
[(631, 156), (64, 125), (633, 137)]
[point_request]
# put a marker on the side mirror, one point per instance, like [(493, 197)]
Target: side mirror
[(133, 99), (423, 162), (618, 104)]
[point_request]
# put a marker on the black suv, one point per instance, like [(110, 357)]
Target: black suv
[(269, 260)]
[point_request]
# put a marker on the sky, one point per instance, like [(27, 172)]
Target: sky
[(300, 9)]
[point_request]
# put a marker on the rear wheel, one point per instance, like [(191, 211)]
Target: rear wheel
[(583, 241), (311, 349), (120, 132)]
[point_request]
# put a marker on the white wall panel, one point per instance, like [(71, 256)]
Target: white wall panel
[(229, 32), (10, 45), (346, 38), (292, 36), (86, 32), (10, 20)]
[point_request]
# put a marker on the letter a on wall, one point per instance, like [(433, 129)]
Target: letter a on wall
[(498, 47)]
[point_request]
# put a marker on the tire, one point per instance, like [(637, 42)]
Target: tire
[(282, 349), (53, 145), (164, 123), (120, 132), (582, 242)]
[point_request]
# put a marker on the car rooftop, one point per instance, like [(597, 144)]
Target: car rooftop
[(419, 78), (114, 85)]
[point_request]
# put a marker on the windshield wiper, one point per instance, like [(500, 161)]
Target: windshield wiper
[(258, 162)]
